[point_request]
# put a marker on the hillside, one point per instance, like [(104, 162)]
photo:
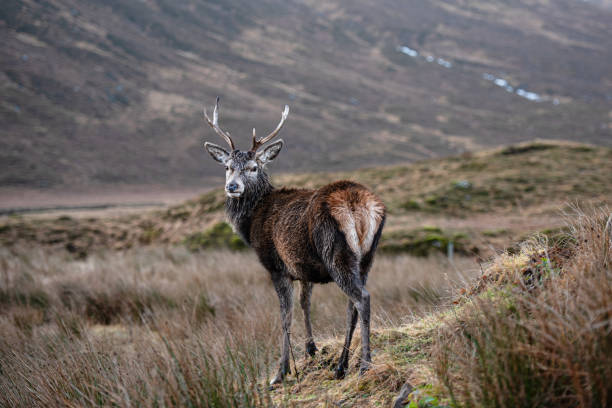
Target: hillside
[(98, 93), (483, 202)]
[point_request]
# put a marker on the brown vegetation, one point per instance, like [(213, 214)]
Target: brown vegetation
[(541, 333), (167, 326)]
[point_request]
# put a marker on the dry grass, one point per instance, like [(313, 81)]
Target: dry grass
[(164, 326), (167, 327), (540, 334)]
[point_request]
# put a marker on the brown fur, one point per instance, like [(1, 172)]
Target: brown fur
[(285, 220)]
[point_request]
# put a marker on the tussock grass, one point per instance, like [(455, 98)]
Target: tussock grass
[(169, 327), (540, 333)]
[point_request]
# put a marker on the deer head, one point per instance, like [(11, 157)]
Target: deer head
[(243, 169)]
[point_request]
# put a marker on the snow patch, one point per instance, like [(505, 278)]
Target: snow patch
[(445, 63), (498, 81), (523, 93), (408, 51)]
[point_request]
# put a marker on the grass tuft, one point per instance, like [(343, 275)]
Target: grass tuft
[(540, 334)]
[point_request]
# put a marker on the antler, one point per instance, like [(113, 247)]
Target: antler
[(258, 143), (215, 125)]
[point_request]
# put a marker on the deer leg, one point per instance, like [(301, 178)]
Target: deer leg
[(284, 290), (345, 272), (305, 293), (363, 307), (351, 322), (360, 297)]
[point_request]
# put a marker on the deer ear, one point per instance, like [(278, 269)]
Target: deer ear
[(270, 152), (217, 152)]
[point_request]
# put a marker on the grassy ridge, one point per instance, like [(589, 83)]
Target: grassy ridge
[(532, 180)]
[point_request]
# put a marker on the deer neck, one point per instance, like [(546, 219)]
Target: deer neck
[(240, 210)]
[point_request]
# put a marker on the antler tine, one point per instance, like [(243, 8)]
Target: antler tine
[(258, 143), (215, 125)]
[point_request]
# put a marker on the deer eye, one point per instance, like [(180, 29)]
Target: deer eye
[(253, 168)]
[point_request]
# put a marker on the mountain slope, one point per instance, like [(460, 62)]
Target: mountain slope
[(111, 92)]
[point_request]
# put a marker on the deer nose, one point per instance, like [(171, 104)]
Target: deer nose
[(231, 187)]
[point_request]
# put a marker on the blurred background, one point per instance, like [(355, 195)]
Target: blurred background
[(102, 101)]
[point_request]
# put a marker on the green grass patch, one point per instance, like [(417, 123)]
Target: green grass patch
[(422, 241), (218, 236)]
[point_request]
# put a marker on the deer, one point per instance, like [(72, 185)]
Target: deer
[(322, 235)]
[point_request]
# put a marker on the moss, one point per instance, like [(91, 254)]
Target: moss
[(410, 349), (422, 242), (495, 232), (218, 236), (411, 205), (463, 196), (427, 396), (430, 228), (149, 235)]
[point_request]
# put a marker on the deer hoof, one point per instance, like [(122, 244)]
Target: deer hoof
[(311, 348), (365, 366), (277, 379), (340, 371), (280, 376)]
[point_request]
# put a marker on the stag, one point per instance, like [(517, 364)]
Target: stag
[(312, 236)]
